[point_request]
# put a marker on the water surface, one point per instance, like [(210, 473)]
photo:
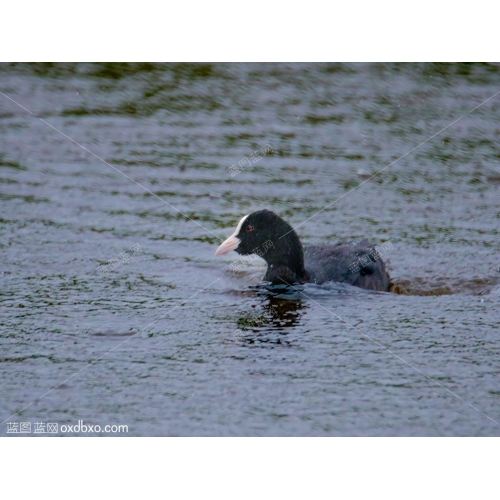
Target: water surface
[(98, 160)]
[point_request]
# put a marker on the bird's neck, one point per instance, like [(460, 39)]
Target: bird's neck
[(285, 261)]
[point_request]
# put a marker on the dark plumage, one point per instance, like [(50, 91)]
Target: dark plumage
[(264, 233)]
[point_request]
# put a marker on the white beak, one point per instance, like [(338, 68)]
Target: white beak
[(232, 242)]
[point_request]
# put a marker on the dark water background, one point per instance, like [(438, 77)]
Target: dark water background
[(182, 345)]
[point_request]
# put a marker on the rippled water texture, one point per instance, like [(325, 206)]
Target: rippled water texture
[(130, 164)]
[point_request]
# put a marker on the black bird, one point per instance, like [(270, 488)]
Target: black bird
[(266, 234)]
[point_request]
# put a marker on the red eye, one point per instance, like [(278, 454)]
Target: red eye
[(249, 228)]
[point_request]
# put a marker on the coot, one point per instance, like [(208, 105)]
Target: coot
[(266, 234)]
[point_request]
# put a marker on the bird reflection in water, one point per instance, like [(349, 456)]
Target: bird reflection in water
[(272, 323)]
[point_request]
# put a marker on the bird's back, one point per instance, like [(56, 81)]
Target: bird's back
[(353, 262)]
